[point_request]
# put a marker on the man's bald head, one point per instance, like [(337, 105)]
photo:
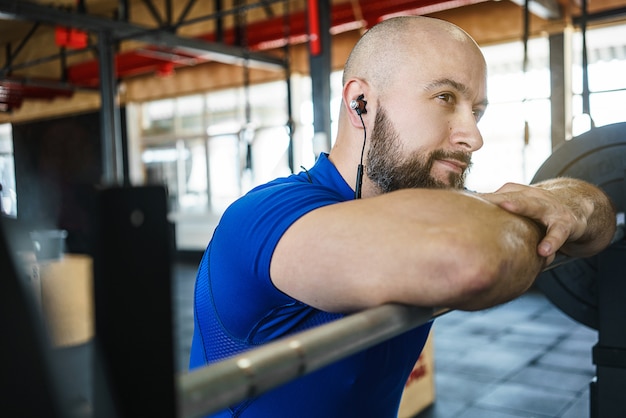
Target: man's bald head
[(397, 42)]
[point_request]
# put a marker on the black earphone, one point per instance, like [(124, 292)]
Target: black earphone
[(358, 105)]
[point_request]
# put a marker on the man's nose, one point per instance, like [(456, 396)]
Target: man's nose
[(466, 133)]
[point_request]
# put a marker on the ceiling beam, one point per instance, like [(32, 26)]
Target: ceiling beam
[(120, 30), (604, 15)]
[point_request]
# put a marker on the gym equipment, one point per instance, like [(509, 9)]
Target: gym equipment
[(251, 373), (599, 157), (592, 290)]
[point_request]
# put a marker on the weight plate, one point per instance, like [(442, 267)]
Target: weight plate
[(599, 157)]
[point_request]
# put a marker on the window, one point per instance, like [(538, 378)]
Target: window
[(8, 196), (518, 102), (517, 99), (225, 170), (158, 118), (207, 152), (181, 166), (606, 57)]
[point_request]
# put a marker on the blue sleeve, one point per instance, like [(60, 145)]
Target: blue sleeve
[(241, 252)]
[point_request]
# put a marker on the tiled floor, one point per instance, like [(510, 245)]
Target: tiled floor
[(522, 359), (184, 277)]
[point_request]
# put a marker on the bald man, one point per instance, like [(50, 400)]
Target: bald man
[(384, 218)]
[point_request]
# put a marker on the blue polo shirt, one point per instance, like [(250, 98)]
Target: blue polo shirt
[(237, 307)]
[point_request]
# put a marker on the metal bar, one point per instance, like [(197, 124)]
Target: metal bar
[(287, 55), (63, 63), (24, 41), (110, 123), (560, 101), (221, 12), (153, 12), (223, 53), (220, 385), (267, 6), (320, 45), (611, 14), (122, 10), (219, 22), (6, 70), (183, 15), (42, 60), (168, 14), (585, 63), (526, 35)]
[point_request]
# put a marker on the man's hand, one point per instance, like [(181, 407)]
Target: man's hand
[(578, 218)]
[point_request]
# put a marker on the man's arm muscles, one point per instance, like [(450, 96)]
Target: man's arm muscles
[(420, 247)]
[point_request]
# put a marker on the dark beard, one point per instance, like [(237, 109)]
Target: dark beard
[(389, 170)]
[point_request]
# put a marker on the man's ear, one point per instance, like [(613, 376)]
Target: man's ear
[(355, 101)]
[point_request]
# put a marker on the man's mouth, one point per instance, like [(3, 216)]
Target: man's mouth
[(454, 165)]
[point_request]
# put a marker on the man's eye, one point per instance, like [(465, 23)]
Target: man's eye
[(446, 97)]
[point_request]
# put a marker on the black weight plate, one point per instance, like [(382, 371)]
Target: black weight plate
[(599, 157)]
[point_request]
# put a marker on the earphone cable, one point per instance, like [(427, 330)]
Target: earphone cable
[(359, 171)]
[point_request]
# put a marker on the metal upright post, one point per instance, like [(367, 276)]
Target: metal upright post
[(110, 125), (560, 102), (609, 354), (134, 360), (319, 63)]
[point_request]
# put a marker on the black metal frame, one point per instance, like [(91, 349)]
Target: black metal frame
[(134, 343), (123, 30), (28, 379), (133, 356), (609, 354)]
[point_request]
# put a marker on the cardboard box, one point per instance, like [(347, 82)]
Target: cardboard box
[(67, 299), (419, 392)]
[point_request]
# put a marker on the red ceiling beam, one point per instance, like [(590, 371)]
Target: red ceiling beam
[(271, 31), (14, 92), (131, 63)]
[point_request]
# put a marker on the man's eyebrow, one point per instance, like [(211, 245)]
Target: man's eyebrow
[(448, 82)]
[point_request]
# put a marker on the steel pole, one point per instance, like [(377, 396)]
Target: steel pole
[(220, 385)]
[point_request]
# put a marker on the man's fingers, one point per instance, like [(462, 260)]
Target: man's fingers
[(535, 204), (557, 234)]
